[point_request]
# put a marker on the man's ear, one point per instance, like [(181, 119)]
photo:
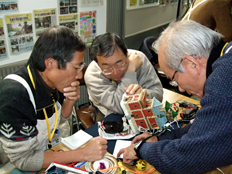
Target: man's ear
[(49, 63), (194, 62)]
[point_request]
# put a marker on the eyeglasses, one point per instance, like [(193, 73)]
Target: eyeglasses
[(77, 67), (173, 82), (109, 71)]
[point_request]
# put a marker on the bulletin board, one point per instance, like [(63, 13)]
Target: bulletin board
[(22, 22)]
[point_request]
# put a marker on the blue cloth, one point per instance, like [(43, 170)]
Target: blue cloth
[(17, 171), (207, 143)]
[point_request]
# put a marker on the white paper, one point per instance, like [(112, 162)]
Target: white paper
[(76, 140), (120, 144)]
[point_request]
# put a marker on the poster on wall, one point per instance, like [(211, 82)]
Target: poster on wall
[(89, 3), (43, 19), (164, 2), (144, 2), (20, 32), (3, 52), (134, 4), (8, 5), (67, 6), (70, 21), (88, 26)]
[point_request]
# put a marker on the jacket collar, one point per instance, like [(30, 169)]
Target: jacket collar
[(214, 55)]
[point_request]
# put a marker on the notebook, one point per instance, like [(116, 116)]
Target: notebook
[(76, 140)]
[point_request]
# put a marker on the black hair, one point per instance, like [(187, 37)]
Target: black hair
[(105, 45), (59, 43)]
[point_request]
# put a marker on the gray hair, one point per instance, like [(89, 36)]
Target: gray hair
[(186, 38)]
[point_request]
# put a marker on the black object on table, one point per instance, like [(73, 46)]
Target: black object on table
[(93, 130)]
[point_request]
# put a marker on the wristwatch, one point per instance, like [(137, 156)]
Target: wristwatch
[(137, 147)]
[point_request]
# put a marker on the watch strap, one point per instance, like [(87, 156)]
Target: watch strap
[(137, 148)]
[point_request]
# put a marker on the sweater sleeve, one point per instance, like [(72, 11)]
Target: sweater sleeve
[(215, 14), (174, 134), (107, 96), (148, 79), (18, 134), (23, 154), (221, 11)]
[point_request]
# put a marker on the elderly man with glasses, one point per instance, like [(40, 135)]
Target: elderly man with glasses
[(196, 59), (115, 70)]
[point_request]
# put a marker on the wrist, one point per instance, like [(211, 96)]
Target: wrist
[(69, 102), (131, 68), (137, 147)]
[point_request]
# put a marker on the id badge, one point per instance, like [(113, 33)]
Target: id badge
[(56, 139)]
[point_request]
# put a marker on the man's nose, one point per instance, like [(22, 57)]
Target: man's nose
[(115, 71), (79, 75)]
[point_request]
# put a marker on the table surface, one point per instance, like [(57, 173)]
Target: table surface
[(173, 97), (169, 96)]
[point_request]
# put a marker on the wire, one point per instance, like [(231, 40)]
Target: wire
[(220, 170)]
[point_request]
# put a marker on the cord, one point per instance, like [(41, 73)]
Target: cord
[(220, 170)]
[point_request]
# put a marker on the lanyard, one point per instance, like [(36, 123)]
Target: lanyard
[(113, 82), (45, 113), (223, 48)]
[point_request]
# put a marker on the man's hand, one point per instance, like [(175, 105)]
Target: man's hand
[(95, 149), (72, 92), (129, 154), (135, 62), (143, 136), (134, 89)]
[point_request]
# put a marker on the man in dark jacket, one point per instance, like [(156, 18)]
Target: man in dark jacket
[(198, 61)]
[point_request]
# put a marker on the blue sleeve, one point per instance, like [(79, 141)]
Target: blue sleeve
[(174, 134), (144, 147)]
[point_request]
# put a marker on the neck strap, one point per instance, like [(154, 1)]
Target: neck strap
[(45, 113)]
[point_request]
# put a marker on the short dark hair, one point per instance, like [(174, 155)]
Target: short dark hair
[(59, 43), (105, 45)]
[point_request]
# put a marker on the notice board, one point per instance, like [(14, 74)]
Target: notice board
[(22, 22)]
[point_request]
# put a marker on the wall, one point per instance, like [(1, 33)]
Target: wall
[(145, 19), (140, 23)]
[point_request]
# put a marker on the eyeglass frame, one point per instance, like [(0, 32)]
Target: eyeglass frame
[(173, 82), (78, 67), (117, 67)]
